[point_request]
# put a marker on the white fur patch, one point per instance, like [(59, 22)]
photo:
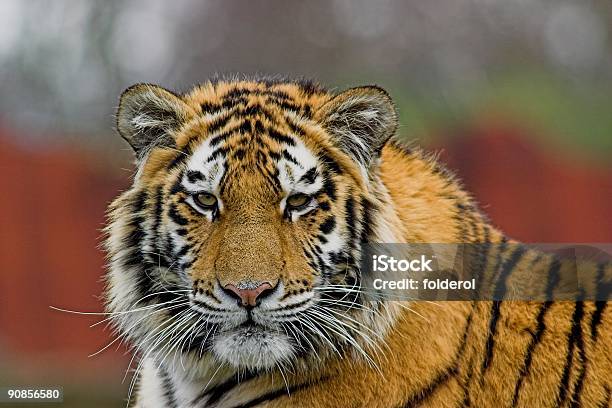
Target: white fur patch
[(150, 393), (212, 170), (290, 173)]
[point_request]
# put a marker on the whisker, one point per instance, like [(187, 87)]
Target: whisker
[(125, 332)]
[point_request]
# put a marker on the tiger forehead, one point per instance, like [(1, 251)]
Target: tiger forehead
[(251, 139), (252, 121), (257, 158), (262, 97)]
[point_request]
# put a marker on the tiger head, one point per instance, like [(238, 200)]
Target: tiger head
[(241, 236)]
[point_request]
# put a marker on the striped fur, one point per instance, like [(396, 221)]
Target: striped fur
[(316, 340)]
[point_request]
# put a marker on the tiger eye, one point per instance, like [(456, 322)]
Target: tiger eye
[(205, 200), (297, 201)]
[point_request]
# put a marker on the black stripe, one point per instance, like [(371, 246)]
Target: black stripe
[(496, 308), (194, 176), (290, 106), (169, 245), (161, 258), (424, 393), (181, 157), (294, 305), (295, 128), (331, 164), (203, 305), (176, 217), (461, 218), (222, 137), (606, 402), (349, 213), (601, 303), (140, 202), (133, 241), (239, 154), (232, 102), (209, 107), (134, 238), (490, 344), (260, 111), (309, 87), (419, 397), (324, 205), (168, 389), (328, 225), (465, 385), (177, 186), (329, 187), (501, 247), (259, 129), (467, 402), (236, 93), (583, 358), (482, 259), (275, 156), (472, 223), (220, 151), (310, 176), (508, 267), (535, 340), (553, 278), (290, 158), (306, 111), (574, 338), (368, 224), (158, 208), (280, 138), (351, 225), (596, 320), (217, 124), (251, 110), (277, 94), (245, 127), (278, 393), (217, 392)]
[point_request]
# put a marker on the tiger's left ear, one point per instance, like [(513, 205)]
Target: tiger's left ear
[(360, 120)]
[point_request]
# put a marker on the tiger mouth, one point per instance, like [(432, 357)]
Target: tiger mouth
[(253, 346), (251, 329)]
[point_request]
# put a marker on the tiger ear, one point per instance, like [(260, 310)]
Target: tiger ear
[(360, 120), (148, 115)]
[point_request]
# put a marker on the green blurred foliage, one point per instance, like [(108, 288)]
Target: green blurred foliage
[(553, 108)]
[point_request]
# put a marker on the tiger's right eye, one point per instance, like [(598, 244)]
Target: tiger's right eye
[(206, 201), (298, 201)]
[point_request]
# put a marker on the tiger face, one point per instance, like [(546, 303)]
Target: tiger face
[(240, 238)]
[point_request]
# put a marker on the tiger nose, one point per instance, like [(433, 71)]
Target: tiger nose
[(249, 297)]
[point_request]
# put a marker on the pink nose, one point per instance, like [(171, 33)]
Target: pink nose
[(248, 297)]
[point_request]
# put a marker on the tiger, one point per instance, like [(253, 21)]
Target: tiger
[(234, 263)]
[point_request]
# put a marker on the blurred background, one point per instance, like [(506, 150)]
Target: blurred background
[(515, 95)]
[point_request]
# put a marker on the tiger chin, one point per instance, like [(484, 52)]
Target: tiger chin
[(234, 264)]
